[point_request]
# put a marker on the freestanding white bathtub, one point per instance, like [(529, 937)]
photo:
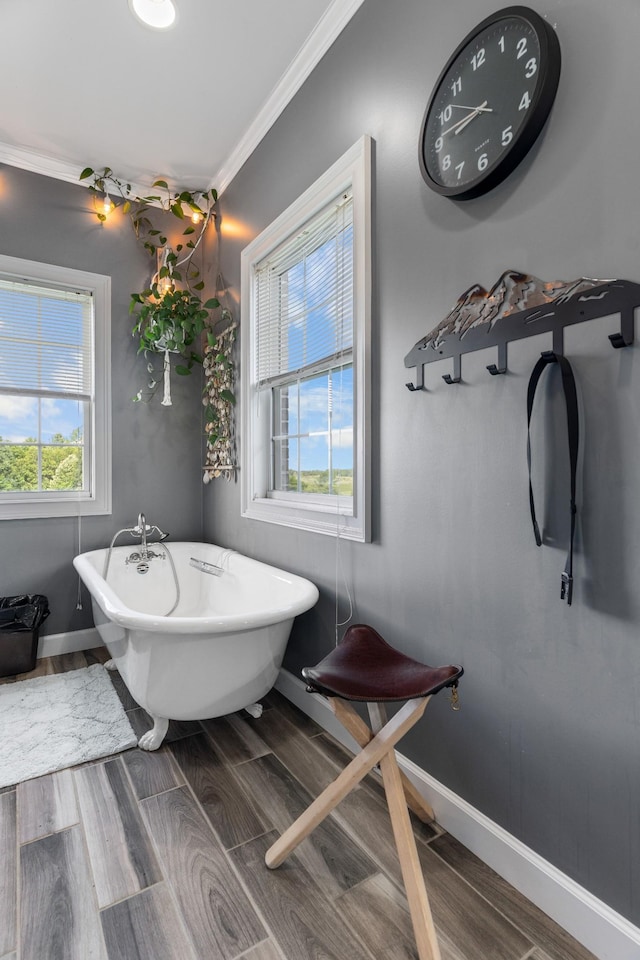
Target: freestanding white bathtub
[(219, 649)]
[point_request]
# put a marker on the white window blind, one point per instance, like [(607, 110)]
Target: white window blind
[(304, 297), (46, 340)]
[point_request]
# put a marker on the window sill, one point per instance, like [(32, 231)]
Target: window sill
[(327, 521), (43, 509)]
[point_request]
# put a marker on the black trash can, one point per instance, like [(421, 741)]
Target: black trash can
[(20, 619)]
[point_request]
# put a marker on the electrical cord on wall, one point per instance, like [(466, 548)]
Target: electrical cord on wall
[(79, 598), (340, 571)]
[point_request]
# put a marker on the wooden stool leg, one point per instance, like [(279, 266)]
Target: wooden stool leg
[(355, 725), (352, 774), (423, 926)]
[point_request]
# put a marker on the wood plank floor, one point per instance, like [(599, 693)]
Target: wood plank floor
[(161, 857)]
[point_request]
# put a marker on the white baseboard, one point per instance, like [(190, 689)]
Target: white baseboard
[(600, 929), (57, 643)]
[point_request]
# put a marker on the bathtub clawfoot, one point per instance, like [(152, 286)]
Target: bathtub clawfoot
[(154, 737), (110, 665), (254, 710)]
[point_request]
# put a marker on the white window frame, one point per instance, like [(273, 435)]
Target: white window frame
[(20, 505), (320, 514)]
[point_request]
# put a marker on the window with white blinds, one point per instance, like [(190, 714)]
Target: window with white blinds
[(46, 340), (54, 390), (306, 293), (304, 297)]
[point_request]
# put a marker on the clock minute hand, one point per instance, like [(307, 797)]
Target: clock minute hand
[(481, 109)]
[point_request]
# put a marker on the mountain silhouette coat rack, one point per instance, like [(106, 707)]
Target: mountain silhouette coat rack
[(520, 306)]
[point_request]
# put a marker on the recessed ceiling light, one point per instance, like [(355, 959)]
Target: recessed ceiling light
[(154, 13)]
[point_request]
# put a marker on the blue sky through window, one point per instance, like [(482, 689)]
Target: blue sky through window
[(19, 418), (317, 295), (307, 421), (318, 321)]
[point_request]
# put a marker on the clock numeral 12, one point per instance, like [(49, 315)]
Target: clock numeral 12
[(477, 59)]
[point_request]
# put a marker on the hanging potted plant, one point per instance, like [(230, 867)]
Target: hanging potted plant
[(170, 319), (169, 315)]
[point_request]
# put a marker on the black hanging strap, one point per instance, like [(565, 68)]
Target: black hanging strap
[(571, 400)]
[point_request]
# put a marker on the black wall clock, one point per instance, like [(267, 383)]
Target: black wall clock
[(489, 103)]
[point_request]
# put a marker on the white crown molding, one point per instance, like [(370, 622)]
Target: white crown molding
[(328, 28), (593, 923), (39, 163), (66, 170)]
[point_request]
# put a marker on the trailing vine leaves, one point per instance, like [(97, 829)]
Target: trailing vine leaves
[(200, 203), (169, 315)]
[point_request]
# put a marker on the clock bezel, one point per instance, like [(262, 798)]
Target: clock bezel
[(531, 128)]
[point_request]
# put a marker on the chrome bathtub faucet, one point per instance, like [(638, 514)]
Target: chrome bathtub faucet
[(144, 555), (141, 530)]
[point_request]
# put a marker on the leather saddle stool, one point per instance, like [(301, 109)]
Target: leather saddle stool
[(363, 667)]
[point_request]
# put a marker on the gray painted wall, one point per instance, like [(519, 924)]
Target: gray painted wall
[(547, 742), (156, 450)]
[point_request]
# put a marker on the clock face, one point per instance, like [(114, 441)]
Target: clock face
[(490, 103)]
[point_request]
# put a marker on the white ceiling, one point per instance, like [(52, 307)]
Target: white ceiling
[(84, 83)]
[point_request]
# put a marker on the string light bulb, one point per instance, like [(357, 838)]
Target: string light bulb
[(103, 206), (165, 285), (196, 216)]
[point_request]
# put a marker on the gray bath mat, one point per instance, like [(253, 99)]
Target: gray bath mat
[(49, 723)]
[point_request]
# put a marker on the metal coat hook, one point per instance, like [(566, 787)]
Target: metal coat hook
[(482, 319), (502, 361), (419, 384), (457, 371), (625, 337)]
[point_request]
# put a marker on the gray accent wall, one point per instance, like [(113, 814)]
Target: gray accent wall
[(547, 742), (156, 450)]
